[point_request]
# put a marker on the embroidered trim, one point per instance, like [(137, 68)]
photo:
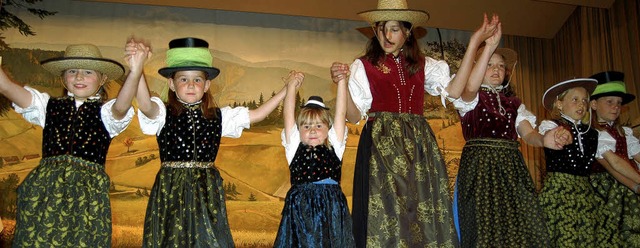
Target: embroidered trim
[(188, 164)]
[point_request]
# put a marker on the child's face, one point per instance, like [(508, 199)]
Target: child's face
[(607, 108), (496, 69), (190, 86), (575, 103), (83, 83), (314, 133), (395, 36)]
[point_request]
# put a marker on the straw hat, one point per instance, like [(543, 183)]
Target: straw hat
[(551, 95), (395, 10), (314, 102), (610, 84), (510, 56), (84, 56), (418, 32), (189, 54)]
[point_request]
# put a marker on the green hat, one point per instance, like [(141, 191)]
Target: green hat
[(189, 54), (610, 84)]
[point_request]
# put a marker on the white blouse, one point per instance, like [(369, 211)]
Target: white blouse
[(606, 142), (234, 120), (37, 111), (294, 141), (437, 79)]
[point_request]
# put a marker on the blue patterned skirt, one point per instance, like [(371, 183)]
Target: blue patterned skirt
[(315, 215)]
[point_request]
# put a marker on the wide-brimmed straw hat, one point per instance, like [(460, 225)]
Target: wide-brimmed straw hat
[(610, 83), (510, 56), (314, 102), (84, 56), (418, 32), (395, 10), (189, 54), (551, 95)]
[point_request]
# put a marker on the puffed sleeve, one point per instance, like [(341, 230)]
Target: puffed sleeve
[(294, 141), (606, 142), (338, 145), (153, 126), (234, 120), (115, 127), (437, 78), (359, 87), (36, 113), (633, 147), (546, 125), (525, 115), (465, 107)]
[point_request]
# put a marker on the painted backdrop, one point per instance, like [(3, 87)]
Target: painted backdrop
[(253, 51)]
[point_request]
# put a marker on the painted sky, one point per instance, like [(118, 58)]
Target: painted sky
[(253, 37)]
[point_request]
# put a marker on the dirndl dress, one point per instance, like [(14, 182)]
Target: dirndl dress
[(64, 201), (401, 185), (187, 202), (315, 213), (569, 201), (497, 203), (620, 218)]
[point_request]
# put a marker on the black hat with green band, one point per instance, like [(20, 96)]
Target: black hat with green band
[(610, 84), (189, 54)]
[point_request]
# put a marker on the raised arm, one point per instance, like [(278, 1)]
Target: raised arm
[(135, 56), (479, 69), (289, 105), (339, 121), (13, 91), (143, 97), (340, 71), (258, 114), (489, 31)]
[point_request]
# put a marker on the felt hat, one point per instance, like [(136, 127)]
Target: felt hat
[(189, 54), (551, 95), (84, 56), (314, 102), (395, 10), (610, 84), (510, 56), (418, 32)]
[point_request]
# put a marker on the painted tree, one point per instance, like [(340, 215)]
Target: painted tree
[(128, 142), (8, 20)]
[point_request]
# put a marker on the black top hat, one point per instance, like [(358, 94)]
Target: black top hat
[(610, 83), (189, 54), (314, 102)]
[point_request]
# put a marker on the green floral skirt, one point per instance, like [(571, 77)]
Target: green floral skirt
[(401, 186), (497, 204), (64, 202), (187, 208), (571, 210), (619, 219)]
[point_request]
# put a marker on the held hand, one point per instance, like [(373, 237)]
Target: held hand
[(136, 53), (339, 71), (488, 30), (494, 40), (557, 138), (294, 79)]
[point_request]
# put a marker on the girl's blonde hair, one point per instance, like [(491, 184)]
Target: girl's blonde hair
[(556, 113), (308, 115)]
